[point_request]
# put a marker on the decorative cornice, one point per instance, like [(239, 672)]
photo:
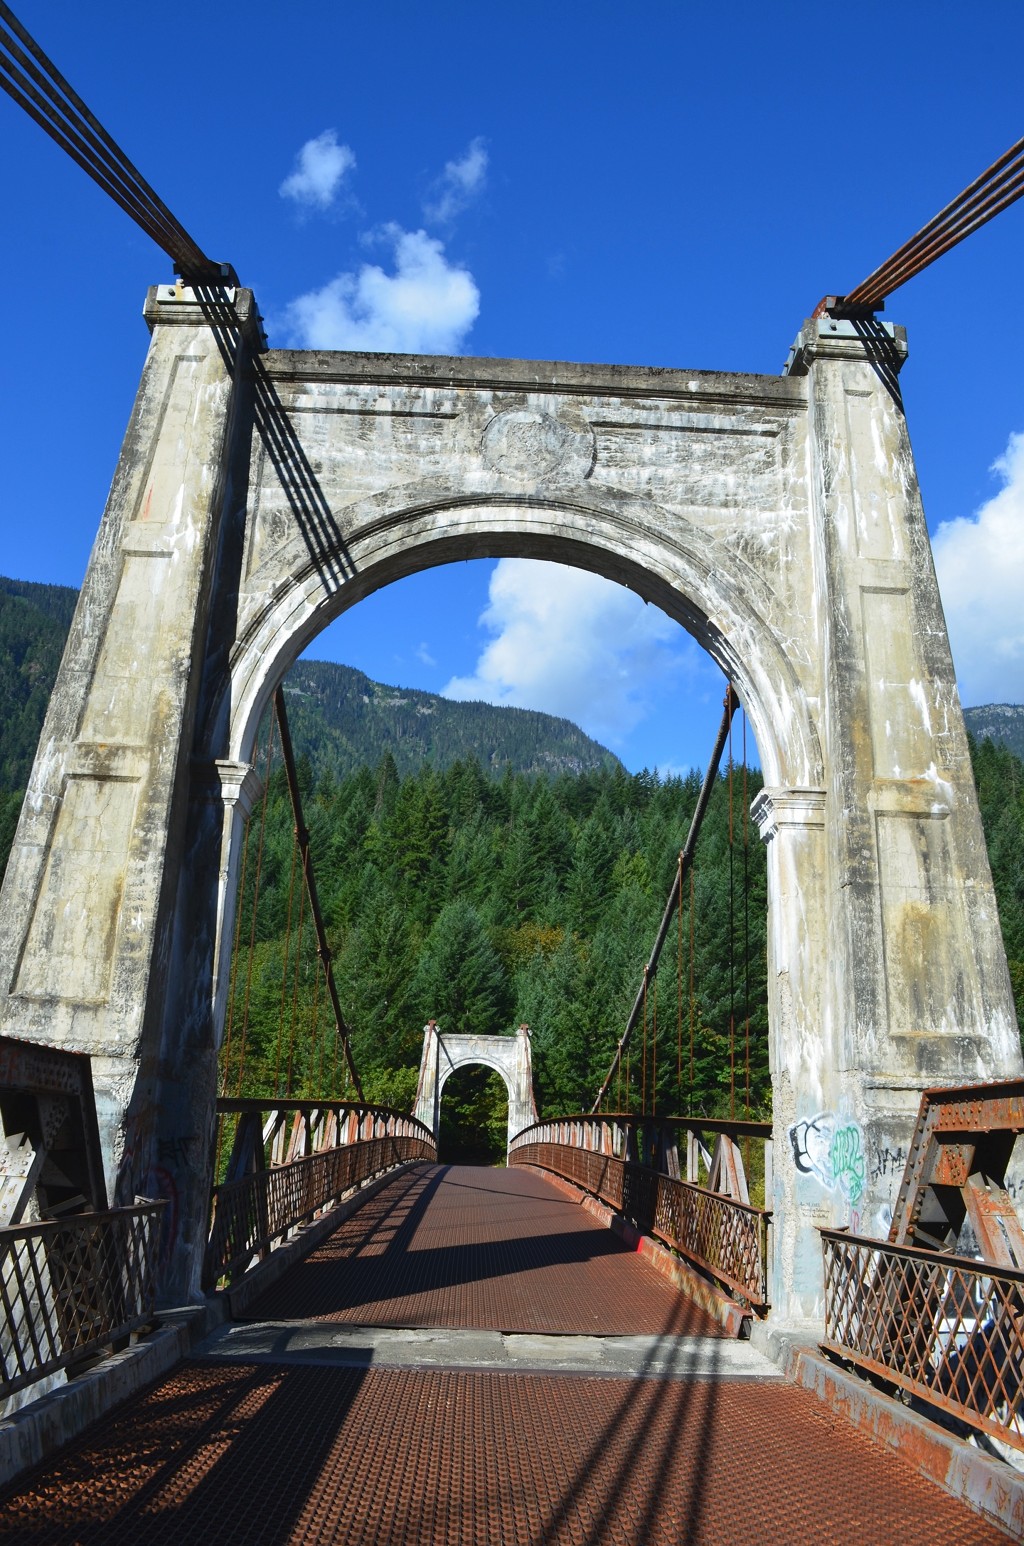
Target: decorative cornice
[(773, 809), (237, 784)]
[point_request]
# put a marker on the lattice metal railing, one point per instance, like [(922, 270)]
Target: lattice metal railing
[(945, 1328), (726, 1237), (723, 1236), (73, 1286), (253, 1211)]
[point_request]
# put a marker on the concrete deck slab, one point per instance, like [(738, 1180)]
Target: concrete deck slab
[(664, 1357)]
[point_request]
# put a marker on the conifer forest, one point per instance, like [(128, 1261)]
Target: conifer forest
[(485, 903)]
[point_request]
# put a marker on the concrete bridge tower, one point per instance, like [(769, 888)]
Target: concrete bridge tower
[(443, 1055)]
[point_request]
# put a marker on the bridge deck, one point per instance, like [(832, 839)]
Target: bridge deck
[(338, 1428), (497, 1249)]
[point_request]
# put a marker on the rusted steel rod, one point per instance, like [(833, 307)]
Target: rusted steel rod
[(322, 947), (999, 186), (33, 81), (686, 854)]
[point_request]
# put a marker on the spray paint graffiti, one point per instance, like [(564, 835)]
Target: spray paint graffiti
[(831, 1149), (888, 1162)]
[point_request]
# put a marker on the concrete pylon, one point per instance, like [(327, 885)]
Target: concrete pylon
[(91, 941), (509, 1056)]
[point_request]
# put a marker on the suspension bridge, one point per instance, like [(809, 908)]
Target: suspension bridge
[(278, 1315)]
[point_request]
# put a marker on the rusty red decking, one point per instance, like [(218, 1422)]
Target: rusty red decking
[(278, 1453), (461, 1246), (343, 1457)]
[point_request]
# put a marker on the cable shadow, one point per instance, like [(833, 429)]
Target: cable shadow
[(234, 1455), (328, 551), (368, 1274), (348, 1283), (320, 531), (391, 1217), (299, 1410), (686, 1393), (882, 354)]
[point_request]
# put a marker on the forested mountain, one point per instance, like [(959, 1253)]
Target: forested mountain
[(34, 623), (1002, 723), (343, 720), (340, 718), (999, 775)]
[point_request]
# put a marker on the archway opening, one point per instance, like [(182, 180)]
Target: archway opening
[(464, 889), (474, 1117)]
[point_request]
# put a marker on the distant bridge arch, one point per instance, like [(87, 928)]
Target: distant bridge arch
[(446, 1053), (259, 494)]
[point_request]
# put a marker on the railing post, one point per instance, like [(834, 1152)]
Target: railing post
[(692, 1156)]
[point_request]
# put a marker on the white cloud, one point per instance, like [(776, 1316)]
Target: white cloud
[(571, 643), (424, 656), (427, 306), (980, 565), (319, 168), (458, 185)]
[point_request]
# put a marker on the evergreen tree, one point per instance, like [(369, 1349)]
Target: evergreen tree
[(374, 972), (460, 980)]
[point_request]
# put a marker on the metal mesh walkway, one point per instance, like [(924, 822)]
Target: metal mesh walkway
[(288, 1445), (271, 1457), (496, 1249)]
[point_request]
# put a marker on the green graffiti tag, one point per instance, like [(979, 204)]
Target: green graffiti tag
[(846, 1156)]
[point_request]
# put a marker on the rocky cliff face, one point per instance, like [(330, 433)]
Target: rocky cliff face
[(999, 722)]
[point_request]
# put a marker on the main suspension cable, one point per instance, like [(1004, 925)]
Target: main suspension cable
[(33, 81), (999, 186)]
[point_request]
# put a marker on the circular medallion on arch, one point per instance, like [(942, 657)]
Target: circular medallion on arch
[(536, 447)]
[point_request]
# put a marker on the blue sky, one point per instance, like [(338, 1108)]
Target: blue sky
[(666, 184)]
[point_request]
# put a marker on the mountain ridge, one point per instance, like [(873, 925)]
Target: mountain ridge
[(340, 717), (1002, 723)]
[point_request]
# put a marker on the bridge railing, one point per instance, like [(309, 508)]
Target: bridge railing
[(72, 1287), (947, 1329), (634, 1165), (289, 1161)]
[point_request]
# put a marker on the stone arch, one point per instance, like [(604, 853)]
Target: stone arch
[(713, 593), (777, 518), (445, 1054)]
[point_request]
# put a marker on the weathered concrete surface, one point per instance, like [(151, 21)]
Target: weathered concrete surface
[(443, 1054), (663, 1357), (91, 938), (776, 518)]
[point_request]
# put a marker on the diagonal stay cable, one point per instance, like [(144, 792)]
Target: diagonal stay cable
[(310, 891), (32, 80), (999, 186)]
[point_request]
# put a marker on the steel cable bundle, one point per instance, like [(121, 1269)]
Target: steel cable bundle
[(995, 190), (34, 82)]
